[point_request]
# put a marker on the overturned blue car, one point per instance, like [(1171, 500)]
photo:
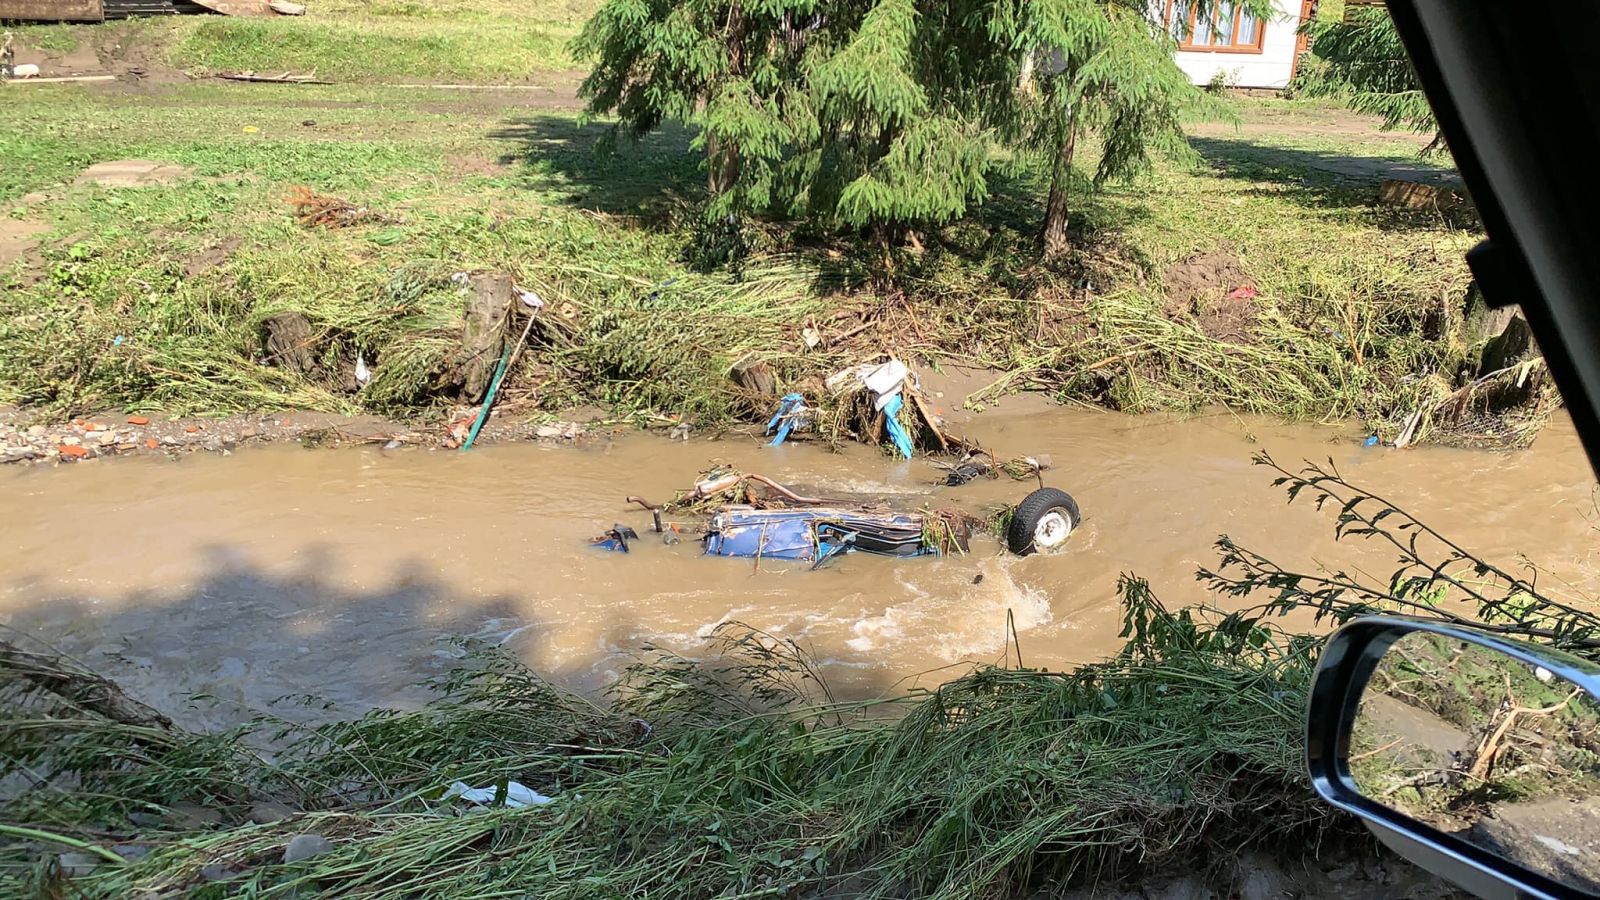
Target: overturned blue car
[(753, 517)]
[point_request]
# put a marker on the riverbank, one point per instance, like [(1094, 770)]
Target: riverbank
[(111, 434), (739, 775), (1268, 279)]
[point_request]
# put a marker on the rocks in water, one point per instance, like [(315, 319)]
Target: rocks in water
[(305, 846), (75, 864)]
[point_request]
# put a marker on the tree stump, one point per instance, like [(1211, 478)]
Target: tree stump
[(286, 338), (1480, 322), (483, 335), (756, 382), (1513, 345)]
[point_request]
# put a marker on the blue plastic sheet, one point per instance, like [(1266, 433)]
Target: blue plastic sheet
[(897, 432), (786, 419)]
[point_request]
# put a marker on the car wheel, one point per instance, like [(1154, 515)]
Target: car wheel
[(1042, 522)]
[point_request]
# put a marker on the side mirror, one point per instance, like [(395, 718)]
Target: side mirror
[(1474, 756)]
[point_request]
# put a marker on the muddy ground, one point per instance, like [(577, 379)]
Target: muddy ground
[(114, 434)]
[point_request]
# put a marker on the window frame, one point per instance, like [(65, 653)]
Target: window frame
[(1186, 43)]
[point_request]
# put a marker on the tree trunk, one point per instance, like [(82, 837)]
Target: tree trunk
[(1055, 211), (722, 160), (722, 164)]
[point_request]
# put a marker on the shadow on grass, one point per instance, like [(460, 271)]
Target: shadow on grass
[(593, 167), (1328, 179), (659, 180)]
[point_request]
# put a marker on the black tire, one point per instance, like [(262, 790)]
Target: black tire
[(1034, 507)]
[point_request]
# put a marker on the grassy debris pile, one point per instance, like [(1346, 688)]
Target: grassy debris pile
[(737, 776), (1267, 286)]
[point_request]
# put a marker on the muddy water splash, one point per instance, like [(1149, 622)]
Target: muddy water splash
[(283, 572)]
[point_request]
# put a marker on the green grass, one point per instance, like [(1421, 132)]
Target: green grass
[(54, 38), (494, 41), (1347, 290)]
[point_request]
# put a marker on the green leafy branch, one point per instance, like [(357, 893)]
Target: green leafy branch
[(1436, 578)]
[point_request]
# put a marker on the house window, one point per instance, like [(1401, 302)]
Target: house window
[(1227, 29)]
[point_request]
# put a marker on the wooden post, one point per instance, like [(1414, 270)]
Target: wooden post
[(483, 335)]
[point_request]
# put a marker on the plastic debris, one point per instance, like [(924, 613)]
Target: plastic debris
[(516, 794), (1371, 441), (792, 414), (616, 539), (363, 374), (885, 381), (1243, 292), (529, 299), (891, 421), (864, 400)]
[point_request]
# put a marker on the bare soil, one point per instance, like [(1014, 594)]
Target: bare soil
[(124, 173), (19, 238), (1213, 290), (110, 49)]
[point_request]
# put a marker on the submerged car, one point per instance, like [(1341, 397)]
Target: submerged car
[(780, 524)]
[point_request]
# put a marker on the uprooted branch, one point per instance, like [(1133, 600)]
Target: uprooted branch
[(82, 689)]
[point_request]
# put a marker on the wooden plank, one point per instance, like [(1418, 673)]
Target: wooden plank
[(66, 79), (52, 10), (236, 7)]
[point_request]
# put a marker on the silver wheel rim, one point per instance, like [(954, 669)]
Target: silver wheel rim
[(1051, 531)]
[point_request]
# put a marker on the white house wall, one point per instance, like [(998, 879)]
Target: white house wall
[(1268, 69)]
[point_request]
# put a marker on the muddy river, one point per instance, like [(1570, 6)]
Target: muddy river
[(280, 573)]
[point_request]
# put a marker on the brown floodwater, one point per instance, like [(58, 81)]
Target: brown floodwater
[(279, 573)]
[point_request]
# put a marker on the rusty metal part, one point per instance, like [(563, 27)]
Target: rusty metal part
[(709, 486), (791, 495), (654, 510)]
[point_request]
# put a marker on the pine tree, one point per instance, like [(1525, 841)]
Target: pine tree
[(1099, 67), (897, 152), (1362, 61), (726, 67)]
